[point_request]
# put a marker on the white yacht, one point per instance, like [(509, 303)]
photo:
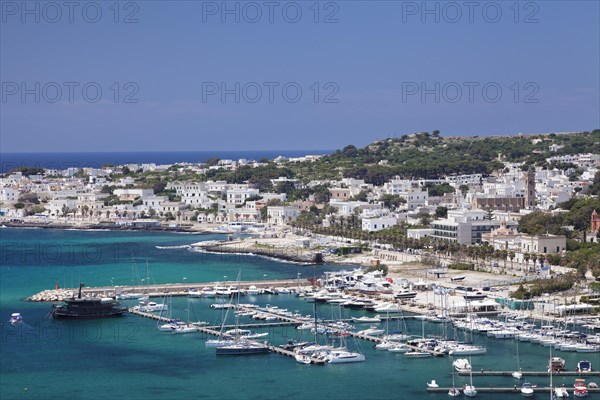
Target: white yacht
[(462, 365), (340, 357), (527, 389)]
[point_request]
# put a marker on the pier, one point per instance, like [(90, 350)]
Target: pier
[(514, 390), (530, 373)]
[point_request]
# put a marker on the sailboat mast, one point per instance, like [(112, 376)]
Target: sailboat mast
[(315, 313)]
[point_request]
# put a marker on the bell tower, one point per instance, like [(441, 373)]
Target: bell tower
[(530, 188), (595, 222)]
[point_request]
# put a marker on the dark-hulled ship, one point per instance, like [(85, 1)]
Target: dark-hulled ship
[(79, 308)]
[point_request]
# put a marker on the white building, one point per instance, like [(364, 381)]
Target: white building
[(280, 215), (378, 223), (466, 226)]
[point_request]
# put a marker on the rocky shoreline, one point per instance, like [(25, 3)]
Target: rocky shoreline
[(239, 247)]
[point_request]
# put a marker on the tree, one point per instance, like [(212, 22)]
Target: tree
[(441, 212)]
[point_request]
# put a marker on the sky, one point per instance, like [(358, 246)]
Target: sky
[(271, 75)]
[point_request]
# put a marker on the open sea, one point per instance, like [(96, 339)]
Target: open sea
[(127, 358), (9, 161)]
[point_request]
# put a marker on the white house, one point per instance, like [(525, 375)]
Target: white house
[(280, 215), (378, 223)]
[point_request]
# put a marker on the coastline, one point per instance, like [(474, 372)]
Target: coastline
[(92, 226)]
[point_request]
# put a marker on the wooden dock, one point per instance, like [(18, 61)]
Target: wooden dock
[(514, 389), (530, 373)]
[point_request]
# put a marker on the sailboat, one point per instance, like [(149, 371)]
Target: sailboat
[(453, 392), (185, 328), (517, 374), (341, 355), (241, 346), (469, 389), (132, 295)]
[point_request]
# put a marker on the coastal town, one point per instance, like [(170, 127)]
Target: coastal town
[(498, 227)]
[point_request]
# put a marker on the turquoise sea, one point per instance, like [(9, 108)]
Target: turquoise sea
[(127, 358)]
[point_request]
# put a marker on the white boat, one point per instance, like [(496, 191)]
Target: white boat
[(366, 320), (462, 365), (218, 342), (432, 384), (372, 331), (130, 296), (417, 354), (303, 358), (561, 392), (470, 391), (242, 347), (187, 328), (252, 290), (385, 345), (152, 307), (388, 308), (341, 357), (467, 350), (454, 392), (15, 318), (527, 389), (399, 348)]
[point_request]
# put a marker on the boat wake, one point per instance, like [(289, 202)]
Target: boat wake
[(183, 246)]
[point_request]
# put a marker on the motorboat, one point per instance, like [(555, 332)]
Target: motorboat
[(252, 290), (385, 345), (527, 389), (556, 364), (218, 342), (130, 296), (152, 306), (584, 366), (372, 331), (467, 350), (242, 347), (399, 348), (15, 318), (405, 295), (366, 320), (580, 388), (417, 354), (185, 328), (432, 384), (454, 392), (517, 374), (462, 365), (561, 392)]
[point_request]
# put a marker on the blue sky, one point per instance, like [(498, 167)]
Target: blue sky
[(383, 69)]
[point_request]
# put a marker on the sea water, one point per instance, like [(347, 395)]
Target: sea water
[(127, 358)]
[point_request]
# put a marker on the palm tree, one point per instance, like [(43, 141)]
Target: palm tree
[(511, 256)]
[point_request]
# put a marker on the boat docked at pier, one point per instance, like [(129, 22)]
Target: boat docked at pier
[(80, 308)]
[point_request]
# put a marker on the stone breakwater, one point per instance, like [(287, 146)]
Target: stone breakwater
[(52, 295), (291, 254)]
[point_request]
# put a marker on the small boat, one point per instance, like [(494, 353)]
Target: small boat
[(467, 350), (399, 348), (219, 342), (470, 391), (152, 307), (367, 320), (517, 374), (561, 392), (252, 290), (417, 354), (556, 364), (432, 384), (462, 365), (385, 345), (454, 392), (15, 318), (458, 278), (302, 358), (527, 389), (580, 388), (242, 347), (341, 357), (130, 296), (372, 331), (186, 328), (584, 366), (405, 294)]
